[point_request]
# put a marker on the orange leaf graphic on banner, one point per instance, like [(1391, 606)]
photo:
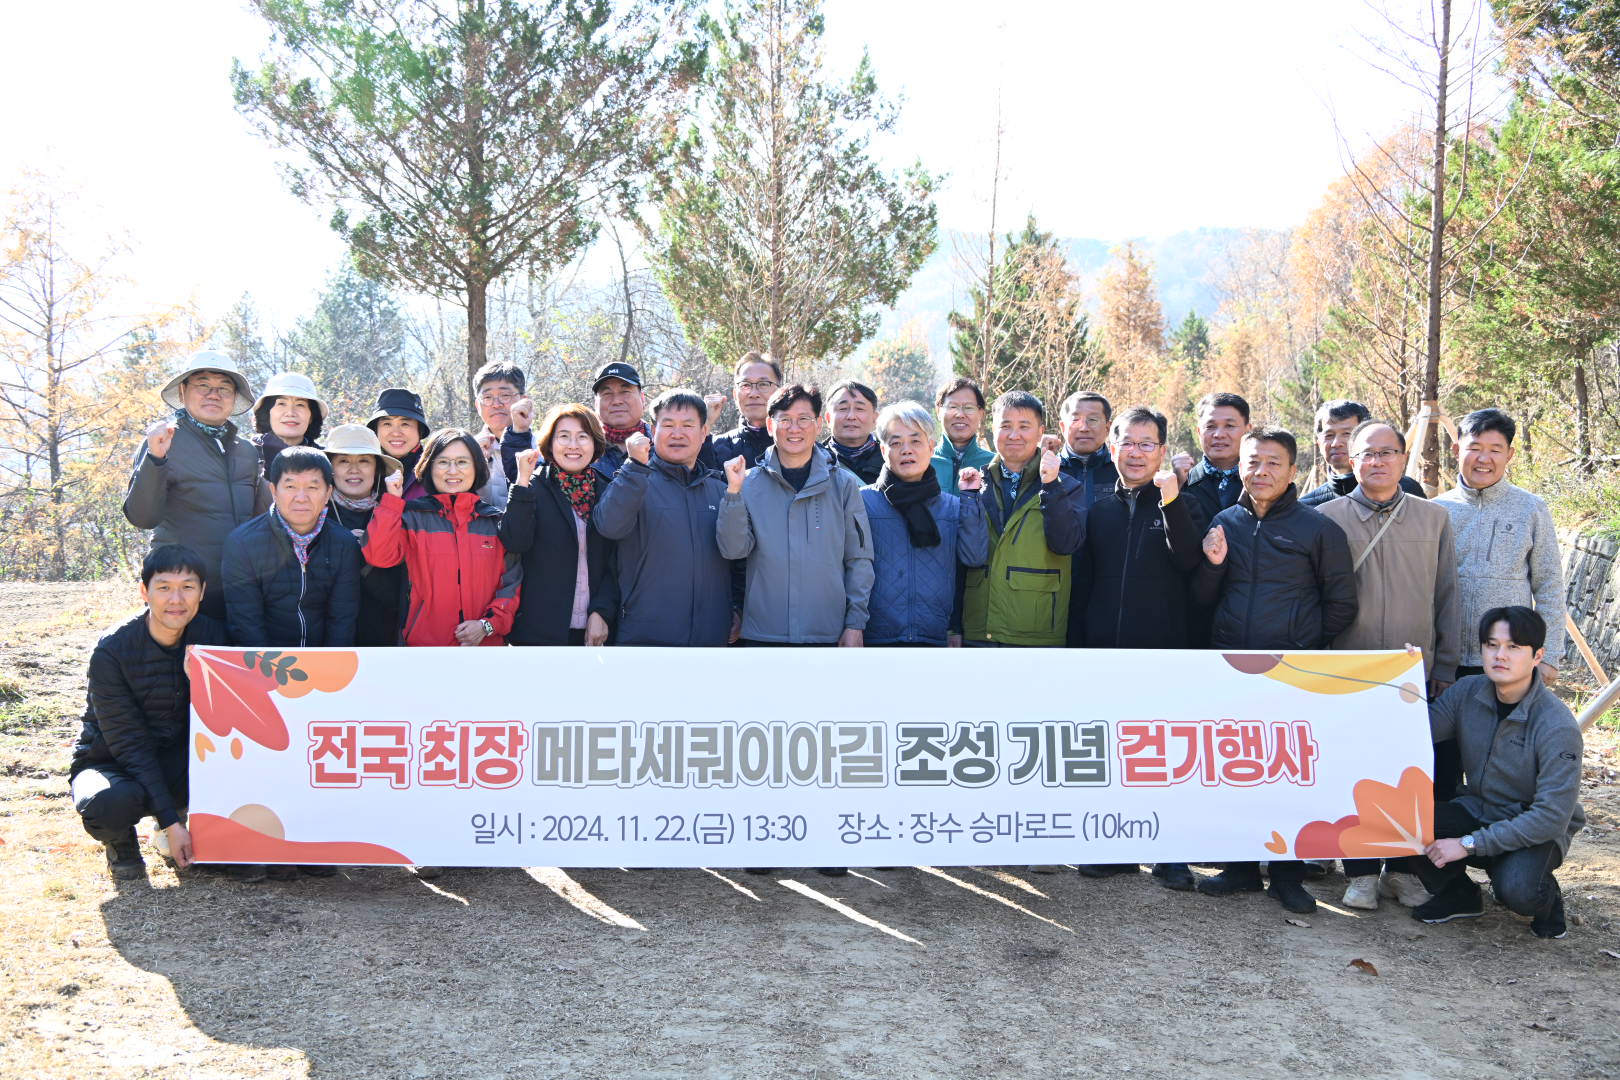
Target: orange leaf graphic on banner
[(1277, 845), (229, 696), (326, 671), (204, 746), (1393, 821)]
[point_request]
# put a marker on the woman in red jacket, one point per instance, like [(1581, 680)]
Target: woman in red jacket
[(462, 584)]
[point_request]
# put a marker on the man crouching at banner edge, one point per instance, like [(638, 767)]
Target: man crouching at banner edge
[(130, 760), (1518, 807)]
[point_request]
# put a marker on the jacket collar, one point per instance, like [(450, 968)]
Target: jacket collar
[(678, 473), (948, 448), (1285, 502), (1094, 460), (1484, 496), (1486, 695), (1146, 495), (820, 468), (461, 507)]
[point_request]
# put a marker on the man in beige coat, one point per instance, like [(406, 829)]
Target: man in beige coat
[(1406, 593)]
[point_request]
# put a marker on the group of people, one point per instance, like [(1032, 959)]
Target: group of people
[(622, 525)]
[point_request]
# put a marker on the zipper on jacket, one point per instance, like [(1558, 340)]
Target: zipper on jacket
[(1124, 570), (303, 579), (1248, 616)]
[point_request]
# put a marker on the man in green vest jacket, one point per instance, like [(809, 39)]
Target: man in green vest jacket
[(1037, 521)]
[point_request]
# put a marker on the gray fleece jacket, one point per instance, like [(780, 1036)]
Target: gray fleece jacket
[(809, 552), (1523, 775), (1507, 553)]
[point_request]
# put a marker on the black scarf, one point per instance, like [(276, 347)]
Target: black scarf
[(911, 498)]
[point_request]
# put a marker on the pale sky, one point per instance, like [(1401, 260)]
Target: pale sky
[(1121, 121)]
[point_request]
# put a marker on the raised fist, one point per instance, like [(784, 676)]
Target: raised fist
[(970, 479), (1182, 463), (395, 484), (1168, 483), (736, 469), (521, 415), (716, 403), (638, 447), (489, 444), (1215, 546), (1050, 466), (159, 437), (1052, 443), (526, 462)]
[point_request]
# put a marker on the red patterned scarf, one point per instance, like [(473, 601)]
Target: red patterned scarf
[(617, 435), (580, 489)]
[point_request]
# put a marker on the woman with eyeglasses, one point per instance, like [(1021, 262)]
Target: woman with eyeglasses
[(463, 585)]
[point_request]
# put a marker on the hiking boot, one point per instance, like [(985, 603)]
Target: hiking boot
[(1293, 896), (1407, 889), (1362, 893), (1551, 924), (1231, 880), (1460, 900), (1175, 875), (1107, 870), (247, 873), (124, 860), (1318, 868), (833, 871)]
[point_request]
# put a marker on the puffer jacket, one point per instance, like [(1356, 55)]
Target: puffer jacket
[(1133, 576), (809, 552), (913, 588), (273, 601), (750, 443), (1204, 484), (1286, 583), (1507, 553), (541, 528), (138, 710), (456, 567), (674, 586), (382, 588), (196, 496), (1524, 772)]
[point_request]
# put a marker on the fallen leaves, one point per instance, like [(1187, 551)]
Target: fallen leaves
[(1362, 966)]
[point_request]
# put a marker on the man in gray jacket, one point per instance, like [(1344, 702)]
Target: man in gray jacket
[(195, 477), (1406, 594), (1519, 808), (801, 524), (663, 508)]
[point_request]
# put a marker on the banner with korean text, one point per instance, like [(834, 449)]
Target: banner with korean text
[(804, 757)]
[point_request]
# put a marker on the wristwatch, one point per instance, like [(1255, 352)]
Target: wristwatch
[(489, 631), (1467, 843)]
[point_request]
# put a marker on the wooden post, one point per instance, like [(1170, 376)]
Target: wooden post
[(1581, 643), (1599, 705)]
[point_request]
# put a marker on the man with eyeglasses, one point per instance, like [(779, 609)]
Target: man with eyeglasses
[(1335, 420), (195, 478), (961, 411), (498, 390), (756, 378), (1405, 564)]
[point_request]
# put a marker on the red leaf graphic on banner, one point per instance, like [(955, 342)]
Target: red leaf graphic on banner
[(1394, 821), (1321, 839), (229, 696), (222, 839)]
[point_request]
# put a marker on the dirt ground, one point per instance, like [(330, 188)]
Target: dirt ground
[(606, 973)]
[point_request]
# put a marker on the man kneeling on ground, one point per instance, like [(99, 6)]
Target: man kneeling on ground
[(1517, 808), (130, 760)]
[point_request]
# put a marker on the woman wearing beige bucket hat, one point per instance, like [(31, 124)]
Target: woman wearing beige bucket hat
[(359, 469), (288, 413)]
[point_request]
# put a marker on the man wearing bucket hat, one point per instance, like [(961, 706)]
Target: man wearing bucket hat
[(359, 468), (619, 404), (400, 426), (195, 478), (288, 413)]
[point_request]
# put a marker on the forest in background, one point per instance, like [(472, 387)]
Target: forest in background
[(473, 152)]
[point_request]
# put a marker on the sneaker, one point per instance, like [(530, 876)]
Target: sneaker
[(1045, 868), (247, 873), (1293, 896), (1456, 902), (1231, 880), (833, 871), (1407, 889), (1175, 875), (1106, 870), (1362, 893), (160, 843), (1551, 925), (124, 860)]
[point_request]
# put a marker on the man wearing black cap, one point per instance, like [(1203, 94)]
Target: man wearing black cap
[(619, 405), (400, 426)]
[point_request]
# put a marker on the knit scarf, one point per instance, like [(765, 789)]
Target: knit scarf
[(617, 435), (1226, 475), (359, 506), (846, 455), (211, 430), (911, 499), (580, 489), (301, 543)]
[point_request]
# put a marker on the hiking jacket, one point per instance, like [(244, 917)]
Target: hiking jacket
[(949, 462), (1021, 597), (865, 463), (1344, 485), (742, 440), (382, 588), (1204, 485), (455, 565), (1286, 583), (1406, 588), (540, 528), (1133, 576), (914, 588), (274, 601), (137, 712), (1522, 775), (1094, 472), (1507, 553), (674, 586), (196, 495), (809, 552)]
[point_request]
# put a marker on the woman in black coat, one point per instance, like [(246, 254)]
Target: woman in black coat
[(570, 585), (359, 468), (288, 413)]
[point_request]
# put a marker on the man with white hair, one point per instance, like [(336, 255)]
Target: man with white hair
[(921, 535)]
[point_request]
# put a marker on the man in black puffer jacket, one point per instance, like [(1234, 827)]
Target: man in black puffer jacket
[(292, 575), (1281, 579), (130, 760)]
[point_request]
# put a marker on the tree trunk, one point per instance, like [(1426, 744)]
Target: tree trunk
[(478, 276), (1583, 421), (775, 284), (1437, 237)]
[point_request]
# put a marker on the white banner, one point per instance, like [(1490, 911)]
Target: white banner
[(804, 757)]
